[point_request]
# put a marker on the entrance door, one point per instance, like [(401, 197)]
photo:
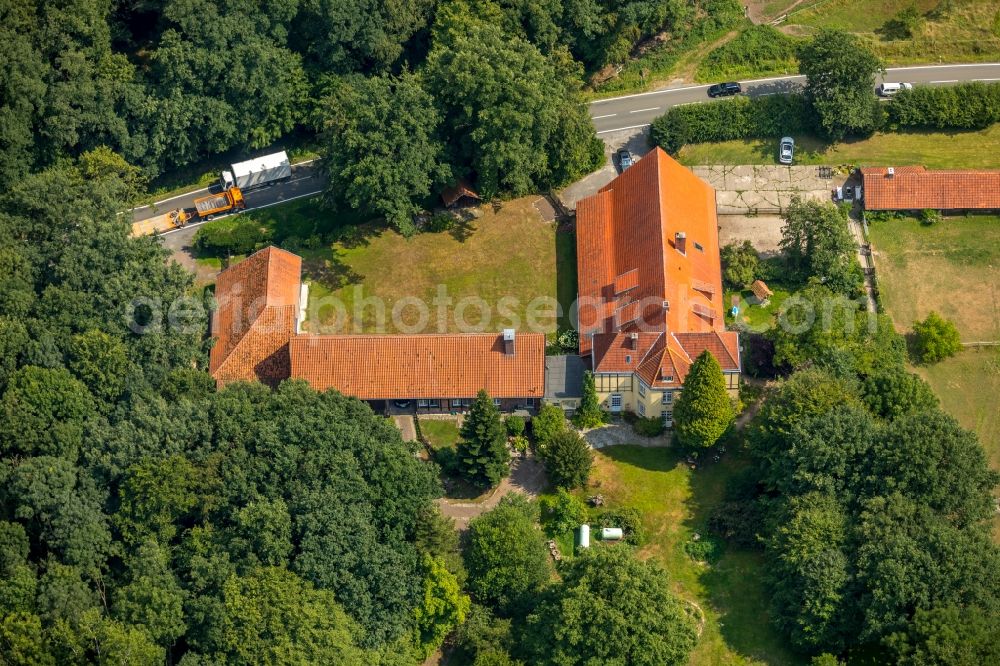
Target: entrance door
[(616, 402)]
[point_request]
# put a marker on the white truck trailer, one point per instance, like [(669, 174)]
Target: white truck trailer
[(257, 172)]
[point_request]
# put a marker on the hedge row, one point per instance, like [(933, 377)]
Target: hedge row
[(737, 118), (973, 105)]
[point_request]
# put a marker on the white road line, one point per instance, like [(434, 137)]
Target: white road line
[(248, 210), (946, 81), (986, 79), (610, 115), (792, 77), (622, 129), (652, 108)]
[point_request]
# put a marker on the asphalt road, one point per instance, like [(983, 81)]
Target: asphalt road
[(635, 111), (610, 115), (306, 180)]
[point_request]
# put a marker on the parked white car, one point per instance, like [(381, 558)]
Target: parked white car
[(786, 151), (890, 89)]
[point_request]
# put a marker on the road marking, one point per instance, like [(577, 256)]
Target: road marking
[(946, 81), (788, 78), (610, 115), (622, 129), (222, 217), (652, 108), (986, 79)]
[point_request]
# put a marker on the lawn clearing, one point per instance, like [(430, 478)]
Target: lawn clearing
[(935, 150), (505, 269), (440, 433), (675, 502), (954, 268), (754, 316)]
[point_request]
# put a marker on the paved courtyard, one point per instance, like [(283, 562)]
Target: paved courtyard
[(768, 189)]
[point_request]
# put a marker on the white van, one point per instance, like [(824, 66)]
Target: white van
[(890, 89)]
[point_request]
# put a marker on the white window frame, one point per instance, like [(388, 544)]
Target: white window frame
[(615, 397), (668, 418), (496, 402), (642, 389), (423, 402), (667, 398), (456, 402), (642, 409), (466, 402)]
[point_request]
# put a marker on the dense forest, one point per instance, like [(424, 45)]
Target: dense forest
[(166, 83)]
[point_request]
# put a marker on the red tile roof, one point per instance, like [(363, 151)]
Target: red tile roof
[(916, 188), (379, 367), (629, 229), (451, 195), (258, 303), (627, 236), (256, 329)]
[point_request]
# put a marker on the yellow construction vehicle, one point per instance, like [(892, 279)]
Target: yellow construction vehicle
[(205, 208), (174, 219), (224, 202)]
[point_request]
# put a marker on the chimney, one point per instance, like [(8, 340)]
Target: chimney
[(633, 340), (890, 172), (508, 341), (680, 242)]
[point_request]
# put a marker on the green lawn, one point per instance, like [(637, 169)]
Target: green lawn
[(440, 433), (953, 268), (675, 502), (935, 150), (508, 268), (754, 316)]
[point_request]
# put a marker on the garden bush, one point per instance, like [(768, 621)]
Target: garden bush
[(514, 425), (630, 522), (651, 427), (705, 549), (239, 235), (935, 339), (562, 512), (738, 118), (973, 105)]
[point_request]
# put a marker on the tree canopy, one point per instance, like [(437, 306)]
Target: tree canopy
[(704, 411)]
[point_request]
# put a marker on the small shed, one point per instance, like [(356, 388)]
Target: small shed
[(460, 195), (761, 292)]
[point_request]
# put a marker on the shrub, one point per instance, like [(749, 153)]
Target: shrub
[(241, 235), (935, 339), (704, 549), (630, 522), (514, 425), (737, 118), (651, 427), (974, 105), (929, 217), (519, 443), (440, 222), (549, 422), (562, 512)]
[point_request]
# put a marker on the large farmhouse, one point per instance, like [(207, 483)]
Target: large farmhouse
[(650, 290), (650, 286), (257, 324)]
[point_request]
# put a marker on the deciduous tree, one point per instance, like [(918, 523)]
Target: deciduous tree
[(935, 339)]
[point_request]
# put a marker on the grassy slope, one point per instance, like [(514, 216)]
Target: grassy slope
[(675, 502), (953, 268), (940, 150), (510, 253)]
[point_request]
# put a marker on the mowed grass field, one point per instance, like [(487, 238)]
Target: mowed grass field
[(935, 150), (954, 269), (675, 502), (508, 260)]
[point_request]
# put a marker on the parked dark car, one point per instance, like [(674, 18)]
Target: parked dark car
[(725, 89), (624, 159)]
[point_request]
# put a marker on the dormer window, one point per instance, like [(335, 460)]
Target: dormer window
[(628, 358)]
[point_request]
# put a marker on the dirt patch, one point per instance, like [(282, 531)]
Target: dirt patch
[(527, 476), (763, 231), (181, 246)]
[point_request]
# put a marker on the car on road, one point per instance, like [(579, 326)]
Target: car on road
[(890, 89), (786, 150), (625, 159), (725, 89)]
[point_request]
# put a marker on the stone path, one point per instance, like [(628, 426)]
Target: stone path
[(527, 476), (406, 426)]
